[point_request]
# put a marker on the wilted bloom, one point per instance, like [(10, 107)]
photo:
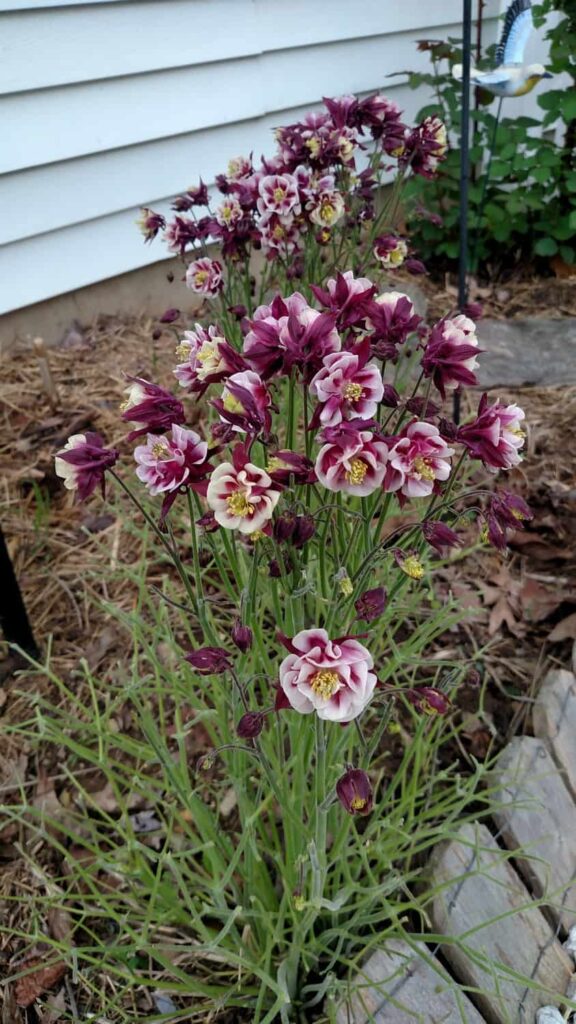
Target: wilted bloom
[(166, 463), (151, 405), (496, 435), (428, 700), (410, 563), (327, 209), (250, 725), (241, 495), (417, 460), (209, 660), (242, 636), (245, 403), (505, 511), (392, 319), (331, 677), (83, 462), (150, 223), (206, 358), (450, 354), (352, 460), (391, 251), (229, 212), (347, 387), (278, 193), (440, 536), (354, 791), (371, 604), (204, 276)]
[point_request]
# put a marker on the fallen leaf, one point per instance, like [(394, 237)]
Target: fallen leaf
[(55, 1008), (564, 630), (59, 924), (538, 602), (10, 1012), (40, 979)]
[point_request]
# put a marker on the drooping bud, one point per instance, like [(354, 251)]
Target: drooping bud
[(354, 792), (208, 523), (440, 536), (428, 700), (205, 762), (390, 398), (371, 604), (305, 529), (284, 526), (242, 636), (250, 725), (169, 316), (209, 660)]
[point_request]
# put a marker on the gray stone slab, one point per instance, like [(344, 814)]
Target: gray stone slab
[(538, 816), (505, 945), (400, 986), (531, 351), (555, 720)]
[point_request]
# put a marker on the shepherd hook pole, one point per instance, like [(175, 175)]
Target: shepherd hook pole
[(464, 170)]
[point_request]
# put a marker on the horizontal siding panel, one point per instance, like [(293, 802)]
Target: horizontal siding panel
[(35, 5), (61, 124), (81, 44)]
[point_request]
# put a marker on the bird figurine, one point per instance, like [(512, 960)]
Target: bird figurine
[(511, 76)]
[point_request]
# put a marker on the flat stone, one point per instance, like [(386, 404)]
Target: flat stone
[(531, 351), (503, 946), (555, 721), (537, 816), (400, 986)]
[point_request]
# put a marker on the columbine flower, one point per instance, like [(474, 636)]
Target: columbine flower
[(450, 354), (204, 276), (198, 194), (83, 462), (239, 167), (290, 333), (278, 193), (352, 460), (371, 604), (346, 387), (428, 700), (391, 251), (150, 223), (419, 458), (152, 406), (229, 212), (347, 297), (166, 463), (496, 435), (206, 358), (426, 146), (392, 319), (409, 563), (279, 234), (285, 466), (505, 511), (245, 403), (241, 495), (440, 536), (331, 677), (327, 209), (354, 791)]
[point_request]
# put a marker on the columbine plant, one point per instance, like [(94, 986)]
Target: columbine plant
[(317, 423)]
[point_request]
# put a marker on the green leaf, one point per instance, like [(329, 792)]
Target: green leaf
[(569, 106), (568, 254), (546, 247)]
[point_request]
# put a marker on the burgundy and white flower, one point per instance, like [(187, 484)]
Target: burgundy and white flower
[(348, 297), (206, 358), (390, 251), (204, 276), (290, 333), (327, 209), (245, 403), (347, 387), (279, 234), (392, 319), (241, 495), (82, 463), (450, 354), (505, 512), (278, 193), (229, 212), (152, 406), (334, 678), (150, 223), (182, 231), (352, 460), (417, 461), (166, 463), (496, 435), (426, 146), (239, 167)]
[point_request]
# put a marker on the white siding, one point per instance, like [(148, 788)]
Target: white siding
[(111, 104)]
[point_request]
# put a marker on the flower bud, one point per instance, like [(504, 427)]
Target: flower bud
[(209, 660), (354, 792), (371, 604), (284, 526), (169, 316), (390, 398), (207, 522), (205, 762), (422, 406), (415, 267), (440, 536), (428, 700), (250, 725), (242, 636), (304, 530)]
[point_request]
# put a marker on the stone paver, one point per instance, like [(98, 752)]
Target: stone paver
[(555, 721), (531, 351)]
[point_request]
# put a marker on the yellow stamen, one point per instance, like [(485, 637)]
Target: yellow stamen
[(413, 567), (275, 463), (398, 151), (357, 471), (183, 350), (159, 450), (200, 277), (423, 469), (231, 404), (353, 391), (346, 586), (238, 505), (358, 803), (313, 145), (279, 194), (518, 432), (325, 683), (278, 232), (124, 405), (517, 514)]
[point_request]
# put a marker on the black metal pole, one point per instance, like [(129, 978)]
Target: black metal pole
[(464, 169), (13, 618)]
